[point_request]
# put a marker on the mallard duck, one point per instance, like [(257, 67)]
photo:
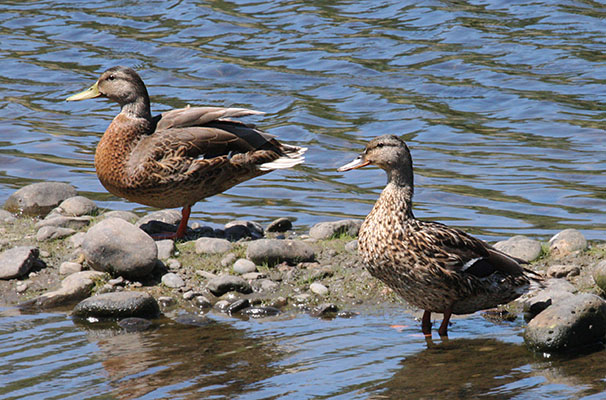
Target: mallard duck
[(181, 156), (432, 266)]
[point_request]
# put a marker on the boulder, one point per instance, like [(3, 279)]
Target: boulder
[(520, 247), (327, 230), (38, 199), (274, 251), (118, 305)]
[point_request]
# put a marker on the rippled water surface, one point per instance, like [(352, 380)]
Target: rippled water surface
[(502, 104)]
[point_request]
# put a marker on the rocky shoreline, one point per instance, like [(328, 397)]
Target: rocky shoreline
[(58, 249)]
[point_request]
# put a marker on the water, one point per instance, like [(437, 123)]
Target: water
[(501, 102)]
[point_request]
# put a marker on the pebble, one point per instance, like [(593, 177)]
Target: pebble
[(302, 298), (244, 266), (222, 305), (21, 287), (38, 199), (125, 215), (228, 283), (118, 305), (520, 247), (278, 302), (52, 232), (118, 247), (352, 246), (17, 261), (76, 206), (236, 230), (73, 288), (173, 263), (228, 260), (172, 280), (599, 275), (165, 248), (252, 276), (566, 242), (274, 251), (205, 245), (562, 271), (324, 310), (577, 321), (327, 230), (279, 225), (7, 217), (318, 289), (69, 267), (267, 284)]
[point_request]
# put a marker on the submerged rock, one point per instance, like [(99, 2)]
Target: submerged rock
[(17, 261), (38, 199), (327, 230), (274, 251), (520, 247), (118, 305), (134, 324), (577, 321)]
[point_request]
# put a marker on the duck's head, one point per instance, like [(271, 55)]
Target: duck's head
[(388, 152), (120, 84)]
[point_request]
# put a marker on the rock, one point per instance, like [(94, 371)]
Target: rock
[(252, 276), (278, 302), (118, 305), (562, 271), (39, 199), (566, 242), (125, 215), (68, 268), (222, 305), (229, 259), (172, 280), (520, 247), (577, 321), (190, 294), (302, 298), (555, 291), (205, 245), (53, 232), (327, 230), (228, 283), (22, 287), (73, 288), (17, 261), (173, 263), (65, 222), (118, 247), (194, 320), (261, 312), (324, 310), (318, 289), (267, 284), (76, 206), (166, 301), (172, 217), (274, 251), (352, 246), (6, 217), (238, 305), (599, 275), (119, 281), (279, 225), (236, 230), (202, 302), (135, 324), (76, 239), (243, 266), (165, 248)]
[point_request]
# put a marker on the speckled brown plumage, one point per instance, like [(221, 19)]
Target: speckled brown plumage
[(432, 266), (181, 156)]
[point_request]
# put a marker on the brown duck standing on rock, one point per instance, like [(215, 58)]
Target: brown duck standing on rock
[(432, 266), (181, 156)]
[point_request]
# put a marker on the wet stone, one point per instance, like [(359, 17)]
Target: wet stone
[(17, 261), (118, 305), (206, 245), (274, 251), (39, 199), (577, 321), (323, 310), (520, 247), (165, 248), (252, 276), (202, 302), (172, 280), (562, 271), (279, 225), (222, 305), (52, 232), (166, 301), (327, 230), (236, 230), (238, 305), (261, 312), (566, 242), (194, 320), (278, 302), (243, 266), (228, 283), (68, 267)]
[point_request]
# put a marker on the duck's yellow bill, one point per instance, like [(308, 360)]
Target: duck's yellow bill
[(89, 93), (359, 162)]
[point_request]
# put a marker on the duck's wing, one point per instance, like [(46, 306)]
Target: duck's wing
[(457, 251)]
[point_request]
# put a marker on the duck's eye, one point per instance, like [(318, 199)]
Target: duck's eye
[(111, 77)]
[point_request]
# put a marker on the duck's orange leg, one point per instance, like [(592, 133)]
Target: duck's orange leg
[(443, 331), (426, 323)]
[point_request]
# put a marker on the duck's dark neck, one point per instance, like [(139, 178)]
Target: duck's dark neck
[(400, 184), (139, 108)]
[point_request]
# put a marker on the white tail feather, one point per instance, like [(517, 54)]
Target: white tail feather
[(284, 162)]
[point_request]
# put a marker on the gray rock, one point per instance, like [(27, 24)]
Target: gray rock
[(22, 287), (267, 284), (206, 245), (17, 261), (318, 289), (173, 263), (555, 291), (566, 242), (6, 217), (125, 215), (599, 275), (244, 266), (172, 280), (279, 225), (327, 230), (562, 271), (228, 283), (324, 310), (118, 247), (165, 248), (65, 222), (67, 268), (76, 206), (520, 247), (261, 312), (119, 281), (73, 288), (236, 230), (118, 305), (39, 199), (171, 217), (578, 321), (77, 239), (274, 251), (302, 298), (238, 305), (53, 232), (252, 276), (351, 246), (229, 259)]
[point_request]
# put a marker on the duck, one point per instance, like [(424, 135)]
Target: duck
[(432, 266), (181, 156)]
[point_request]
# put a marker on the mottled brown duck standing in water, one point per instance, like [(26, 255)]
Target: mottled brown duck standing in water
[(181, 156), (432, 266)]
